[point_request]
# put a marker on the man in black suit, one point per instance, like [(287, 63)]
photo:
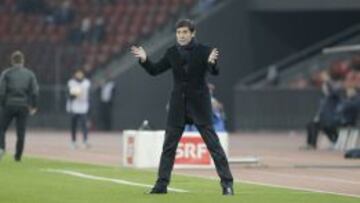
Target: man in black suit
[(190, 101), (19, 90)]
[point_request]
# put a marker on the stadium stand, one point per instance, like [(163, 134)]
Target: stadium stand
[(79, 33)]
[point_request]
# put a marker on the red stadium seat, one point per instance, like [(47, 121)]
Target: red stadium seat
[(126, 22)]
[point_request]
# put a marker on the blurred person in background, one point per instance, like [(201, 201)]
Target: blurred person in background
[(272, 76), (218, 113), (328, 118), (189, 103), (98, 31), (62, 15), (78, 106), (351, 105), (107, 92), (19, 90), (85, 28)]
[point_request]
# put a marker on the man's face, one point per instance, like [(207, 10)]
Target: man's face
[(79, 75), (184, 35)]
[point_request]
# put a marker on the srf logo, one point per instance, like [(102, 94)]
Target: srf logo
[(130, 150), (192, 150)]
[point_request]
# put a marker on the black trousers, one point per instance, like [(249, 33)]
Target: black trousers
[(106, 111), (82, 120), (20, 114), (313, 130), (208, 134)]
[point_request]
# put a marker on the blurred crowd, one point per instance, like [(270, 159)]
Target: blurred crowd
[(340, 104)]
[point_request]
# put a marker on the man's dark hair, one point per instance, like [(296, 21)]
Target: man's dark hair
[(186, 23), (17, 57)]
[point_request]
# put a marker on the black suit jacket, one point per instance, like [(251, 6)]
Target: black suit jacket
[(190, 93)]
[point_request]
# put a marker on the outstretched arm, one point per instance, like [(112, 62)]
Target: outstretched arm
[(2, 89), (34, 93), (212, 61), (149, 66)]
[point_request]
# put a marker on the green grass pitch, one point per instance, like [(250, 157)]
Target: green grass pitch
[(29, 182)]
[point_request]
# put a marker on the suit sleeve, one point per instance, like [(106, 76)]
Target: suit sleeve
[(156, 68), (213, 68), (2, 89), (34, 91)]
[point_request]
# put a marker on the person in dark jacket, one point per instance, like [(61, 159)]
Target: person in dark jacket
[(18, 97), (190, 101), (329, 116)]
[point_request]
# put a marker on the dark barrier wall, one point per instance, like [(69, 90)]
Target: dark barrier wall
[(275, 35), (140, 96), (51, 109), (274, 108)]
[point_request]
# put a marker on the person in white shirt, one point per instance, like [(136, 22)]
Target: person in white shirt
[(78, 105), (106, 97)]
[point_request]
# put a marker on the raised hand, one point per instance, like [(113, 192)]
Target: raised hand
[(214, 55), (139, 53), (32, 110)]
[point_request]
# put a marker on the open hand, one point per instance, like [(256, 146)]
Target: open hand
[(139, 52), (32, 111), (214, 55)]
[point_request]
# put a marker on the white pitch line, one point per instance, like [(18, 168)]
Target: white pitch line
[(318, 178), (299, 188), (277, 186), (119, 181)]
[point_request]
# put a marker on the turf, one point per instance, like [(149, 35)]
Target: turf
[(28, 182)]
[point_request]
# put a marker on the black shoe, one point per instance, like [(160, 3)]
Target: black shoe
[(17, 159), (158, 190), (228, 191), (2, 152)]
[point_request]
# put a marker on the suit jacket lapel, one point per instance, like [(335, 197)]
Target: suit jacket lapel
[(179, 61)]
